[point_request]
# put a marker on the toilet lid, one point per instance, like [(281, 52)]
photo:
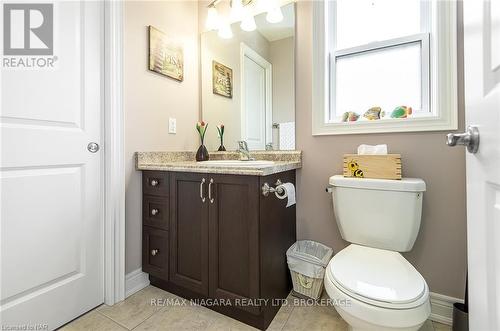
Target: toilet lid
[(377, 274)]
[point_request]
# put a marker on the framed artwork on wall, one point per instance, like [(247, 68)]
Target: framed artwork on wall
[(222, 78), (166, 57)]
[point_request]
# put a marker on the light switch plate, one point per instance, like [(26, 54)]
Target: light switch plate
[(172, 125)]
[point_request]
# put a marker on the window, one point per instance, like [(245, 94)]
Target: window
[(372, 57)]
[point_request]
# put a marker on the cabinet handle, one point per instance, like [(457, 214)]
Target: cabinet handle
[(154, 182), (154, 211), (154, 252), (201, 190), (210, 190)]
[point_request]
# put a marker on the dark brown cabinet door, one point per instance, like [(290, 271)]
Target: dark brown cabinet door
[(234, 238), (155, 252), (189, 231)]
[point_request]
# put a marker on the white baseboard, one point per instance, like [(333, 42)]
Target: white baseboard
[(135, 281), (442, 308)]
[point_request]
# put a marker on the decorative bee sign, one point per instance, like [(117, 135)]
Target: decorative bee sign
[(386, 166), (354, 168)]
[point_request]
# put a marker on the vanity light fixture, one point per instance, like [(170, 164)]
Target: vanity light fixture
[(212, 18), (240, 11), (225, 31), (274, 15), (237, 11), (248, 23)]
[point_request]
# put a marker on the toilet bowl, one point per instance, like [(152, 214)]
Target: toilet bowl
[(373, 289), (372, 286)]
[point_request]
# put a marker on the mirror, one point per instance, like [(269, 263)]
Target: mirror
[(248, 84)]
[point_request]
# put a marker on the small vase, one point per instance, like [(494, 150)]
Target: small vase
[(221, 147), (202, 153)]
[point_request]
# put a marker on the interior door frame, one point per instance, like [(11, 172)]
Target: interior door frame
[(245, 50), (114, 160)]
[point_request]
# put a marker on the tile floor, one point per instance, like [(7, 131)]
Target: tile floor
[(138, 313)]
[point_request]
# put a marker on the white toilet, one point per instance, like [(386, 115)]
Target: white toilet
[(374, 286)]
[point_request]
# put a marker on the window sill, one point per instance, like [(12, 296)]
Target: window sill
[(415, 124)]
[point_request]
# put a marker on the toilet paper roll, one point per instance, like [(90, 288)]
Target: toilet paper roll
[(286, 190)]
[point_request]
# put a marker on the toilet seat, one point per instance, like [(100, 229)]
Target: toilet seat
[(377, 277), (361, 315)]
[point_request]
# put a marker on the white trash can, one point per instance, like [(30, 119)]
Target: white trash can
[(307, 261)]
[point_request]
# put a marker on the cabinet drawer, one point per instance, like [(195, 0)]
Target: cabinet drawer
[(155, 252), (155, 211), (155, 183)]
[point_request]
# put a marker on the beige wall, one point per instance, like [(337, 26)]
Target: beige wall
[(217, 109), (440, 251), (150, 99), (281, 54)]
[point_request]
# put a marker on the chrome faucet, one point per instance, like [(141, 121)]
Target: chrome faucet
[(244, 152)]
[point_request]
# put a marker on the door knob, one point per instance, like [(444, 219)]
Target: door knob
[(154, 211), (470, 138), (93, 147), (154, 252)]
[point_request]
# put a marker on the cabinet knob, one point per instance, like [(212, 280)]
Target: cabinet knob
[(154, 182), (154, 211), (154, 252)]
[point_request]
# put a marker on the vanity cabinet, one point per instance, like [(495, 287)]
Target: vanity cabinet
[(224, 240)]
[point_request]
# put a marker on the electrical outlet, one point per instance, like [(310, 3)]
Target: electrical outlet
[(172, 125)]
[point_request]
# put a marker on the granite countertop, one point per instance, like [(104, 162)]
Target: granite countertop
[(185, 162)]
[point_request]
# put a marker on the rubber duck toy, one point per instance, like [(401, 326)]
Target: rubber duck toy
[(373, 113), (401, 112), (350, 116)]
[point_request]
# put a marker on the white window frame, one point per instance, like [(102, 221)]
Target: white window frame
[(421, 38), (439, 93)]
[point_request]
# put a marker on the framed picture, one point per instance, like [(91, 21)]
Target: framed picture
[(165, 56), (222, 78)]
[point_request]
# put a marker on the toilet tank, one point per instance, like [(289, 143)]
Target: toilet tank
[(378, 213)]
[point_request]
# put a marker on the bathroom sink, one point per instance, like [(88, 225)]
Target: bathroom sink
[(237, 163)]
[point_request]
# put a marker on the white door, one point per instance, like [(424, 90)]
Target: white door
[(256, 103), (51, 211), (482, 102)]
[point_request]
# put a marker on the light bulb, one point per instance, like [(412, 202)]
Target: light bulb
[(248, 24), (225, 31), (236, 11), (274, 15), (212, 19)]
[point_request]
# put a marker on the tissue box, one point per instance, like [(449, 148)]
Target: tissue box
[(373, 166)]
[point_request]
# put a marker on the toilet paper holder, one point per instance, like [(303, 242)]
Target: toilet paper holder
[(266, 189)]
